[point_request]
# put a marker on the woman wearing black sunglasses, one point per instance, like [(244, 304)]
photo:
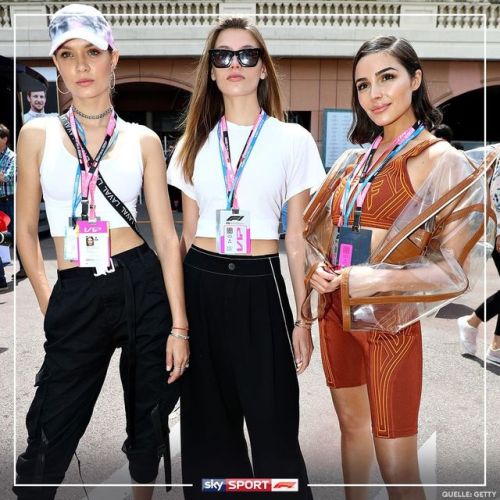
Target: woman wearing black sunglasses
[(237, 164)]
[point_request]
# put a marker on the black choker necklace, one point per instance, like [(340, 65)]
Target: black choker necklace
[(93, 117)]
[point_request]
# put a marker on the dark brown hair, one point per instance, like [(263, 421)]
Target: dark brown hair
[(363, 129), (29, 92), (206, 105), (4, 132)]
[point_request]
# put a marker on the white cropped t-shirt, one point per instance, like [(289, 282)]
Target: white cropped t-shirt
[(284, 162), (122, 169)]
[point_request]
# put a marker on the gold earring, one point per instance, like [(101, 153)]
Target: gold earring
[(57, 86), (112, 83)]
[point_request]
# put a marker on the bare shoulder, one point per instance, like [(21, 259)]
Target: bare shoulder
[(32, 136), (35, 128), (439, 149), (150, 143), (147, 137), (431, 155)]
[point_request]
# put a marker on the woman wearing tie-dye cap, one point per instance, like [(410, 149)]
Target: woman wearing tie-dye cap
[(90, 167)]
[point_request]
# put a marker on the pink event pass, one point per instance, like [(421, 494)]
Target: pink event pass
[(345, 255), (93, 243)]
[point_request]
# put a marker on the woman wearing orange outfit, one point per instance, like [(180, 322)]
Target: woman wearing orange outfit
[(383, 203)]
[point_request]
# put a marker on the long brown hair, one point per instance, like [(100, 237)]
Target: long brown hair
[(363, 130), (206, 105)]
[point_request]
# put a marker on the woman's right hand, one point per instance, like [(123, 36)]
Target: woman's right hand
[(325, 281), (177, 357)]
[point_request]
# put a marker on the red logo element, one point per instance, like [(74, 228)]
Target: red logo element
[(283, 484)]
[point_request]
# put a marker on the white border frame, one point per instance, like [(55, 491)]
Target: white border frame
[(338, 485)]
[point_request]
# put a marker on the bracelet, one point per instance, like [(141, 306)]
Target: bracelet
[(179, 336), (303, 324), (180, 328)]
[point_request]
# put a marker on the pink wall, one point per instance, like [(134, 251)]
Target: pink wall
[(312, 84)]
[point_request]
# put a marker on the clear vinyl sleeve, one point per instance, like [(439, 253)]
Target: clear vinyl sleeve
[(432, 253)]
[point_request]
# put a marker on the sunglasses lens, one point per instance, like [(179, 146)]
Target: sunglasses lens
[(249, 57), (221, 58)]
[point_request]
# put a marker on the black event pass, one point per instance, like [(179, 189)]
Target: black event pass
[(352, 247)]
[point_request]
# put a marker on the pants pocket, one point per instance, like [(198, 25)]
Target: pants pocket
[(31, 464)]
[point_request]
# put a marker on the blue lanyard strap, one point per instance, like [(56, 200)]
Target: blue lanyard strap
[(367, 179), (245, 154)]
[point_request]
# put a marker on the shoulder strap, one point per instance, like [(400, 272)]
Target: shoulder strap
[(436, 207), (115, 202), (421, 146)]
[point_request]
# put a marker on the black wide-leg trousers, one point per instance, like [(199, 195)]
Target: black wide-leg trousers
[(241, 369), (87, 318)]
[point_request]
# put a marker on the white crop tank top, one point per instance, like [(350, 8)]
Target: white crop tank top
[(122, 169)]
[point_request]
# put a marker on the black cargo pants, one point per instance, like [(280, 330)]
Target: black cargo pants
[(88, 317)]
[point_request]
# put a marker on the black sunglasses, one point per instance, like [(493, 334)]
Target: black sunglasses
[(248, 58)]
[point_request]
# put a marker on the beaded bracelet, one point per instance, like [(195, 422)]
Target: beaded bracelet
[(179, 336), (303, 324)]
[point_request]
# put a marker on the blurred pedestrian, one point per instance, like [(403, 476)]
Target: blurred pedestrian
[(7, 178), (468, 326)]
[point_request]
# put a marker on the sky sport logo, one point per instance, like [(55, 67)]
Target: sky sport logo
[(253, 485)]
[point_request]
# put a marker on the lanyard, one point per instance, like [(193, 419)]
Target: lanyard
[(87, 171), (232, 176), (367, 172)]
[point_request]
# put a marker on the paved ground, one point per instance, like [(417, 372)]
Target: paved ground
[(452, 420)]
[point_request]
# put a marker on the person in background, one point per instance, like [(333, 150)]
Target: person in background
[(468, 326), (7, 177), (444, 132), (37, 100)]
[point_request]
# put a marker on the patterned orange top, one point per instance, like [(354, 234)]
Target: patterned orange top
[(389, 193)]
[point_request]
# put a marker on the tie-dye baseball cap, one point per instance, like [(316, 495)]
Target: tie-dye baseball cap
[(80, 21)]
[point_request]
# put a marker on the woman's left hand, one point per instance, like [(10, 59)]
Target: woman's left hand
[(302, 348), (177, 357), (325, 281)]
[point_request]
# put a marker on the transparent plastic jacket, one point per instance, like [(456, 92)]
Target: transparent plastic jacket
[(430, 255)]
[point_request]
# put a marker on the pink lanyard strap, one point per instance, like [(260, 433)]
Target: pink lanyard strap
[(90, 167), (365, 169)]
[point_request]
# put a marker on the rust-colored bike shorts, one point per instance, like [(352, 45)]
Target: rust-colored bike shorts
[(390, 364)]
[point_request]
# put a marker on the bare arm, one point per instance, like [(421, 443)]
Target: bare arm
[(167, 246), (30, 148), (295, 250)]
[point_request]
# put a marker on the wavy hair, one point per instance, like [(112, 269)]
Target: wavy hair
[(363, 129)]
